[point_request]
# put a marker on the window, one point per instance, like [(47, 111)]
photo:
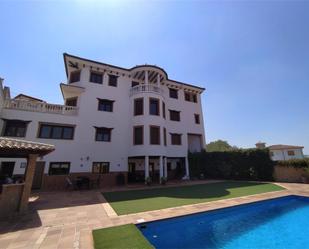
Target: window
[(103, 134), (197, 118), (138, 106), (291, 153), (154, 108), (138, 134), (75, 76), (105, 105), (174, 115), (173, 93), (59, 168), (176, 139), (71, 101), (112, 80), (100, 167), (134, 83), (15, 128), (191, 97), (163, 109), (164, 136), (51, 131), (155, 135), (96, 77)]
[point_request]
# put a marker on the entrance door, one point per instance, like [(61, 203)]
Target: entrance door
[(38, 175), (7, 169)]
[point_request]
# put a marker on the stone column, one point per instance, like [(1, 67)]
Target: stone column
[(187, 168), (165, 167), (146, 167), (146, 77), (161, 167), (31, 162)]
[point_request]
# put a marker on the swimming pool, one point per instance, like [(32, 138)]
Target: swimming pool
[(277, 223)]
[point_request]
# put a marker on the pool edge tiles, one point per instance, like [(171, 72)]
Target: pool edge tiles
[(199, 226)]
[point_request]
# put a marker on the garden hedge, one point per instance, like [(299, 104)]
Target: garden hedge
[(295, 163), (250, 164)]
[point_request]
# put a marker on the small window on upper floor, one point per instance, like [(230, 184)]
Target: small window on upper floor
[(197, 118), (75, 76), (154, 135), (175, 139), (15, 128), (134, 83), (154, 107), (138, 106), (105, 105), (96, 77), (71, 101), (55, 131), (138, 135), (174, 115), (164, 136), (191, 97), (173, 93), (112, 80), (291, 152), (163, 109), (103, 134)]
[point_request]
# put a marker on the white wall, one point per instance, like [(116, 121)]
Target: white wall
[(283, 154)]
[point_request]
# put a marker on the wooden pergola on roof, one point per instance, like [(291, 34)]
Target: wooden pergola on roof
[(17, 148)]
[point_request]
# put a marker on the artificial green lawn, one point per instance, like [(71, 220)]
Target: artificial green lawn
[(134, 201), (126, 236)]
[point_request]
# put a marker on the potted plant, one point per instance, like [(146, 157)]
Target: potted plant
[(148, 181), (163, 180)]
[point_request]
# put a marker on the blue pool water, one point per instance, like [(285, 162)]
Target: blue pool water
[(277, 223)]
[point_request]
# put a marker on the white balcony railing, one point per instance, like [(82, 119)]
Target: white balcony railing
[(146, 88), (40, 107)]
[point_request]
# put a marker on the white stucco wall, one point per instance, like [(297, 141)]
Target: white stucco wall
[(283, 154)]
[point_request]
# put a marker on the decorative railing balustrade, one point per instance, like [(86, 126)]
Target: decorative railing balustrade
[(146, 88), (40, 107)]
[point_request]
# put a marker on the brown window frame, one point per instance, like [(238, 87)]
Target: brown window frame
[(158, 106), (71, 99), (101, 104), (173, 91), (173, 117), (101, 170), (291, 153), (150, 136), (103, 129), (66, 172), (134, 133), (173, 141), (95, 80), (53, 126), (197, 118), (190, 97), (15, 128), (110, 83), (73, 79), (135, 110)]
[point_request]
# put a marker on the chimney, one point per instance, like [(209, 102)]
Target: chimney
[(260, 145)]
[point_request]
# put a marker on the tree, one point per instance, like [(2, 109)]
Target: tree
[(219, 145)]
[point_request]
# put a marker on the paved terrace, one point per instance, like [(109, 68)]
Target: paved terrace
[(66, 219)]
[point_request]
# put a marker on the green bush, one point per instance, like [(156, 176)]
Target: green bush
[(295, 163), (250, 164)]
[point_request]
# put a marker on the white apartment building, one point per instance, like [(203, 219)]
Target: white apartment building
[(136, 122)]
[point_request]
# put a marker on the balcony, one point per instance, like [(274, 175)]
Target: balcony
[(40, 107), (150, 88)]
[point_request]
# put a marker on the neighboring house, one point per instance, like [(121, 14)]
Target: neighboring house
[(283, 152), (135, 121)]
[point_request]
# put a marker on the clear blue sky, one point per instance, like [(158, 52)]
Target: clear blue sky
[(252, 57)]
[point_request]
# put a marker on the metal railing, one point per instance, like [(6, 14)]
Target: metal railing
[(40, 107), (146, 88)]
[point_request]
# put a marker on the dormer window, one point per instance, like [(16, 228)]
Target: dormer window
[(75, 76), (112, 80), (96, 77)]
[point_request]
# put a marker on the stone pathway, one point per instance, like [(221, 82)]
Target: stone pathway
[(66, 219)]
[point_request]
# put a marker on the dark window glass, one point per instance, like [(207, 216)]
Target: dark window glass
[(164, 136), (176, 139), (169, 166), (134, 83), (59, 168), (96, 77), (15, 128), (105, 105), (163, 107), (187, 96), (154, 135), (100, 167), (56, 131), (112, 80), (154, 107), (194, 98), (174, 115), (173, 93), (291, 153), (138, 135), (191, 97), (75, 76), (138, 106), (103, 134), (197, 118), (71, 102)]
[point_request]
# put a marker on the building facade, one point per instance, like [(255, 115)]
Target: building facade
[(134, 122)]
